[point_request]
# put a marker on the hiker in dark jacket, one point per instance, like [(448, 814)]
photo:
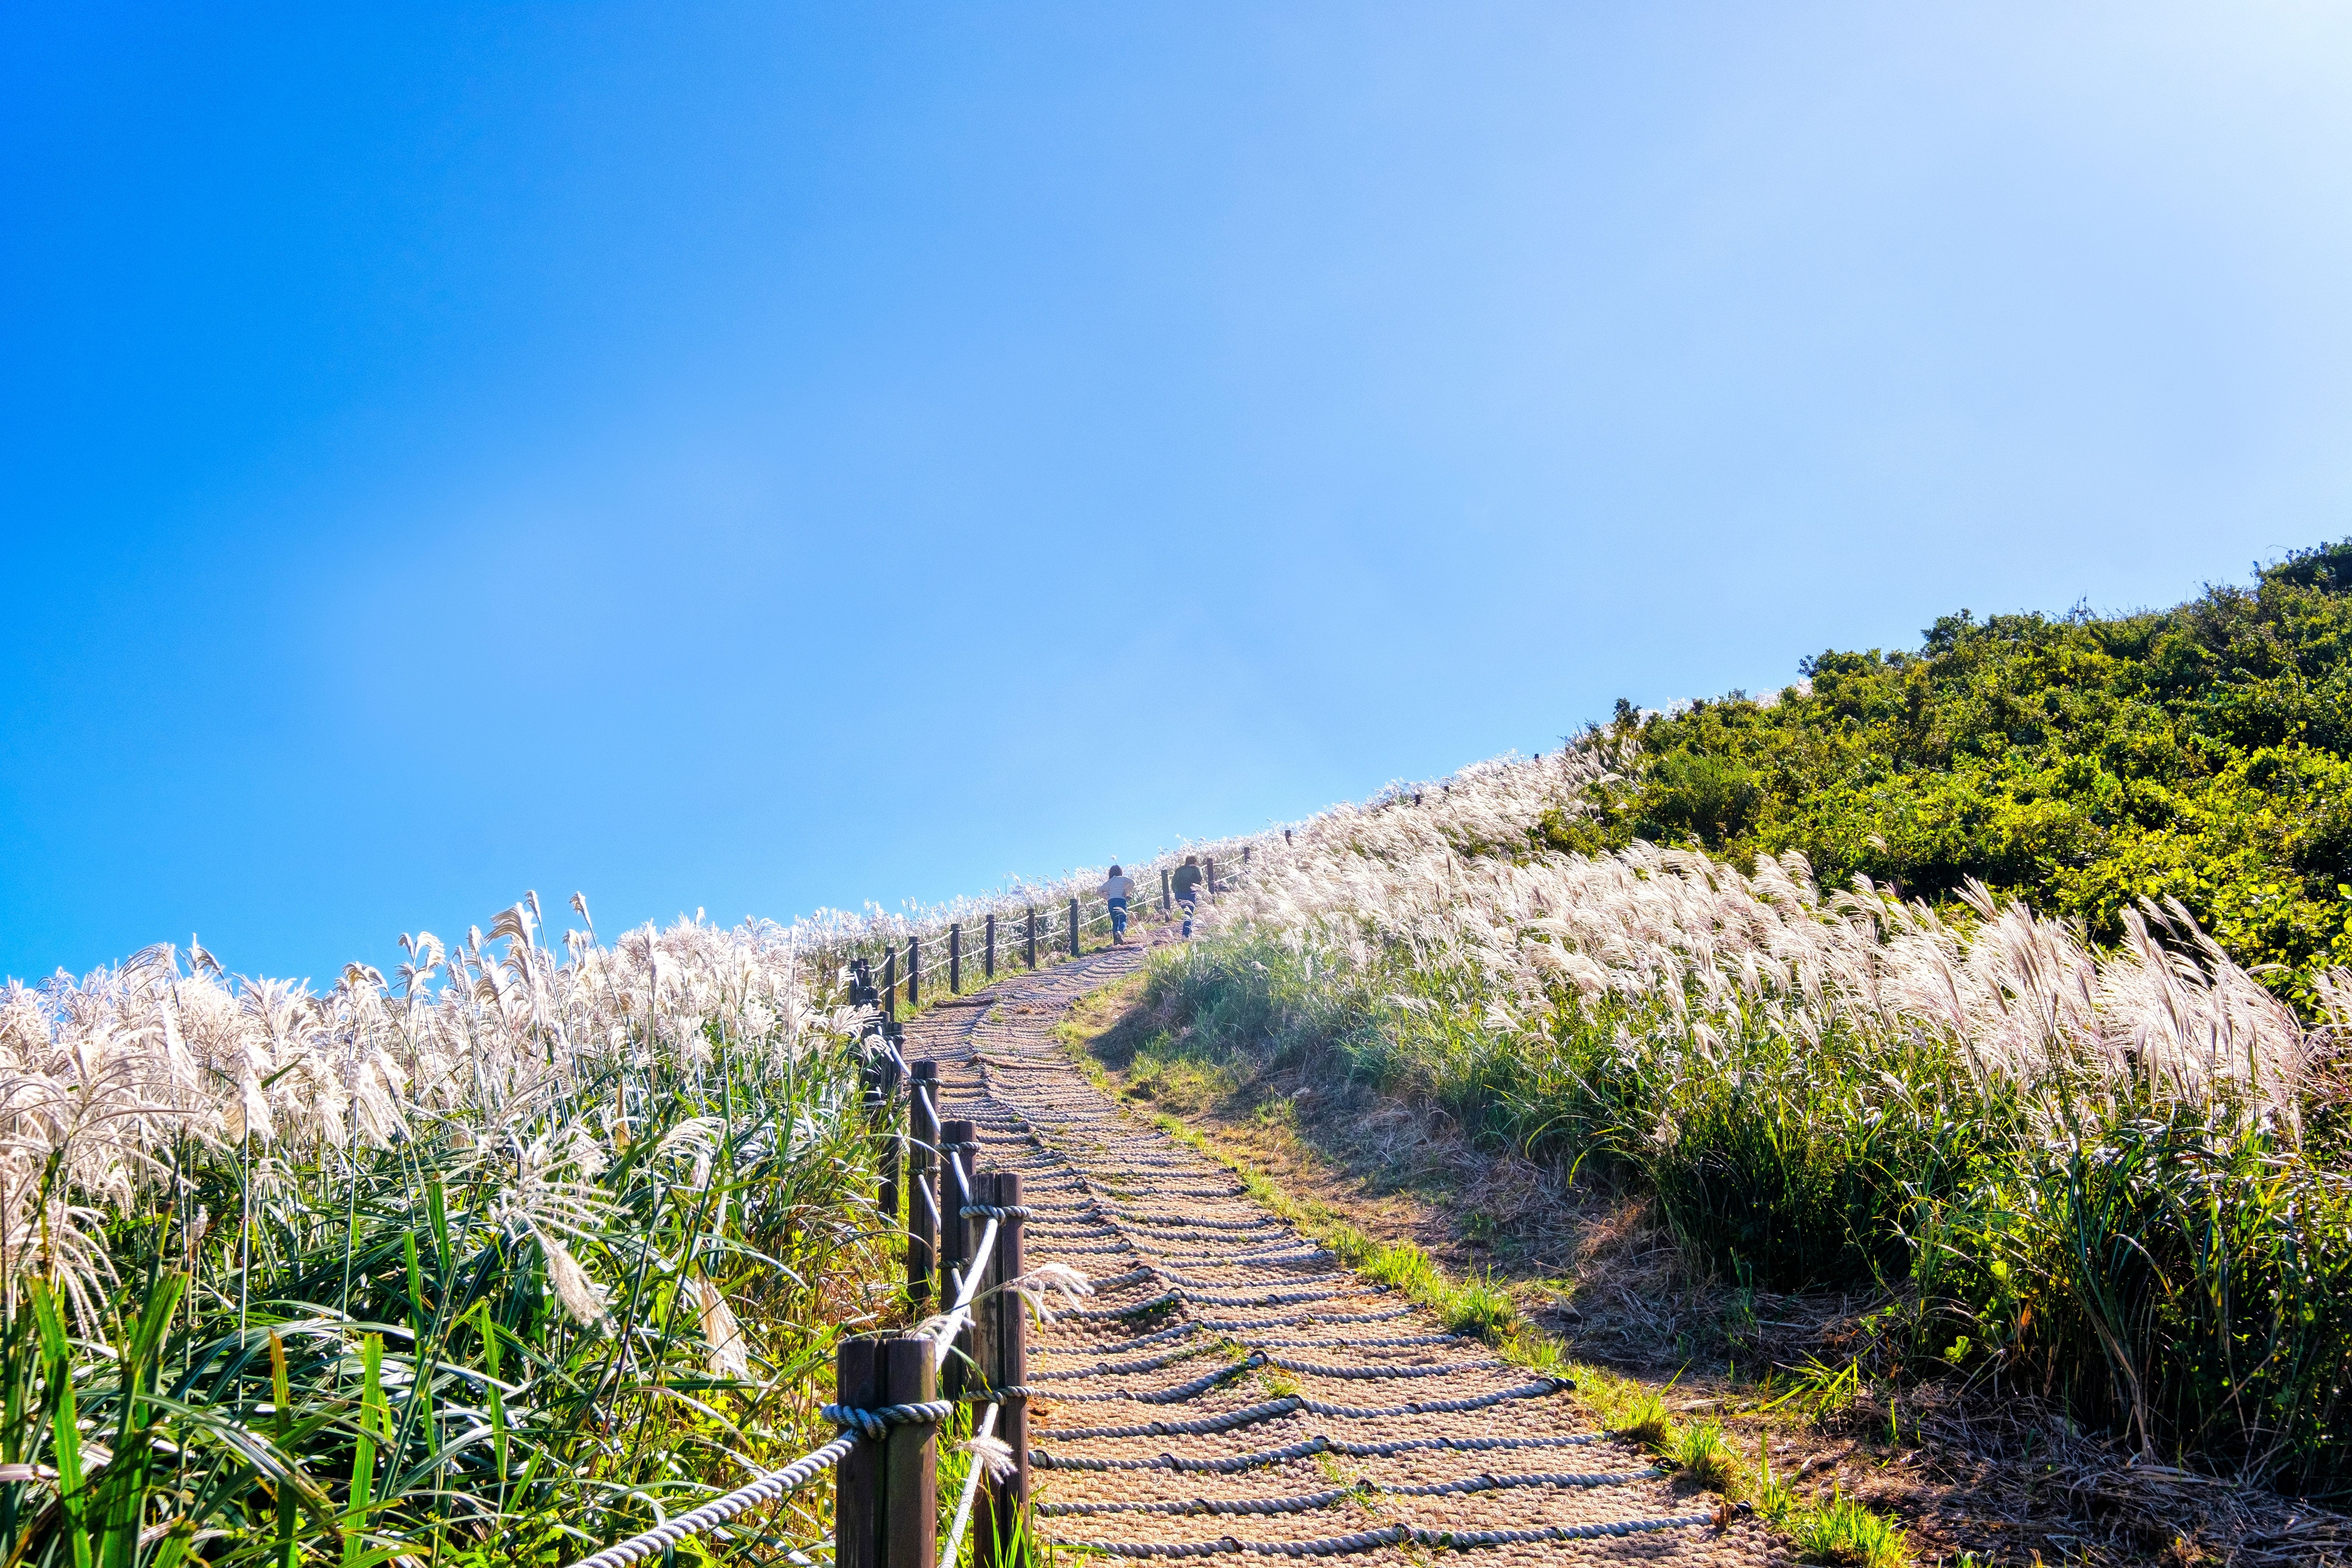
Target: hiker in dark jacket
[(1186, 885)]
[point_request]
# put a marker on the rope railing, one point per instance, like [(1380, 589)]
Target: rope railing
[(888, 1401), (767, 1488)]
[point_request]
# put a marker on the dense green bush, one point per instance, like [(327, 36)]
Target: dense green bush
[(2203, 752)]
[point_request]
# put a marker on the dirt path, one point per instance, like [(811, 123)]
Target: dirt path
[(1231, 1389)]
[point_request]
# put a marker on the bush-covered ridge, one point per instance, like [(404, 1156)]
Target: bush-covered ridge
[(2202, 754)]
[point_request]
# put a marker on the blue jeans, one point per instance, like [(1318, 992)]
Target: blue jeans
[(1189, 902), (1117, 917)]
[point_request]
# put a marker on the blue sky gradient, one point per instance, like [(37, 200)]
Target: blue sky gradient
[(750, 458)]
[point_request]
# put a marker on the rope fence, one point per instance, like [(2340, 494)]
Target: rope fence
[(892, 1391)]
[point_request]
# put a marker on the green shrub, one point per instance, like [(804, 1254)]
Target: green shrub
[(1645, 1422), (1705, 1459), (1844, 1534)]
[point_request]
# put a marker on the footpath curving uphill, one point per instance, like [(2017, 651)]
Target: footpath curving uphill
[(1230, 1389)]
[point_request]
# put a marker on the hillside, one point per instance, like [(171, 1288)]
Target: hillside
[(2201, 754), (2001, 982)]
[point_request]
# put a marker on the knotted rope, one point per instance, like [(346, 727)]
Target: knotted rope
[(876, 1422)]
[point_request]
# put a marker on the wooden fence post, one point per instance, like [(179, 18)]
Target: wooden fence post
[(997, 1538), (1210, 862), (857, 1482), (1032, 936), (910, 1473), (955, 959), (922, 1180), (886, 1073), (890, 983), (991, 971), (959, 1142), (1074, 928), (914, 970)]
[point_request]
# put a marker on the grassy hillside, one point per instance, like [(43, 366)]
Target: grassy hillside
[(1901, 982), (2202, 754)]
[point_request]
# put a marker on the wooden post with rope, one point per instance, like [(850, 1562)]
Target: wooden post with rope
[(910, 1462), (1001, 1348), (1032, 936), (958, 1141), (922, 1180), (885, 1085), (914, 970), (858, 1483), (955, 959), (989, 971), (1074, 928), (886, 1494)]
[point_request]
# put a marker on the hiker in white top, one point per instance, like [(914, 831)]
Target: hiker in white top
[(1115, 892)]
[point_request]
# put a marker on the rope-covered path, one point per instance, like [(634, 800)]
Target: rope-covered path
[(1231, 1389)]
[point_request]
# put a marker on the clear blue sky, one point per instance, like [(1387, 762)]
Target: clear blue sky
[(757, 457)]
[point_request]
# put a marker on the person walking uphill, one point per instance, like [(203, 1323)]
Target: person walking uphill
[(1115, 892), (1186, 885)]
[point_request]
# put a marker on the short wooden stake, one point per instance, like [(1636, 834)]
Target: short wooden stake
[(922, 1180)]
